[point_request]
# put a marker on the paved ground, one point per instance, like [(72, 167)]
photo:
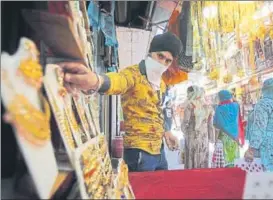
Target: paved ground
[(173, 157)]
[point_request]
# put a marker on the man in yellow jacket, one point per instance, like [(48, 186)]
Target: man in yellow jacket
[(142, 91)]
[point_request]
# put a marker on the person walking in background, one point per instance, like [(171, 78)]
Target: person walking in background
[(229, 125), (168, 115), (196, 129), (259, 131)]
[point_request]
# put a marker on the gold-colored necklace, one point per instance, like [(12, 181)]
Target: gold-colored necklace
[(30, 68), (72, 121), (60, 78), (34, 124), (64, 125), (31, 71)]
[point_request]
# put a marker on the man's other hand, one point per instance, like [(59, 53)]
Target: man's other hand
[(171, 141)]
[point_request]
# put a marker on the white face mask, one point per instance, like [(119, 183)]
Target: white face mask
[(154, 71)]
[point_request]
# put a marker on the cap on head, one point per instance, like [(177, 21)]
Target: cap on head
[(166, 42)]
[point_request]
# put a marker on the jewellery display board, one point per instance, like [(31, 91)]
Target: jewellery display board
[(58, 107), (123, 189), (94, 170), (29, 113), (86, 147), (73, 114)]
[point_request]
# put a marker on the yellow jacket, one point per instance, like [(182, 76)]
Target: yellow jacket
[(141, 104)]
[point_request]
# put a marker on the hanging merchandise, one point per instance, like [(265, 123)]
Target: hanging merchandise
[(174, 75), (107, 25), (112, 69), (180, 24), (268, 51), (104, 21), (177, 72), (173, 25), (185, 26), (259, 55), (94, 14), (231, 39)]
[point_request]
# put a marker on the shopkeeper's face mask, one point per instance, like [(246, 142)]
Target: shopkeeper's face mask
[(154, 71)]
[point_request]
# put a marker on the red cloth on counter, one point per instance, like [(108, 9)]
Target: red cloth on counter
[(221, 183)]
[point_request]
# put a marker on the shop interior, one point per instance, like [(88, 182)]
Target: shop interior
[(77, 151)]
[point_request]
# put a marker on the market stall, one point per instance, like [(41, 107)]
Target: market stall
[(229, 44), (64, 141)]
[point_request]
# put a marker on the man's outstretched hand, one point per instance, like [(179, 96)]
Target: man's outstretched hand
[(78, 77)]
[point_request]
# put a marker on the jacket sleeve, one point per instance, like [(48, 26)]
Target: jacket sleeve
[(116, 83)]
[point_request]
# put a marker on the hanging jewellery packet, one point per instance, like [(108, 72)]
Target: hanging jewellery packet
[(29, 113)]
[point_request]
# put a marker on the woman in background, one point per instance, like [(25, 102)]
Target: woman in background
[(228, 122), (196, 129), (260, 128)]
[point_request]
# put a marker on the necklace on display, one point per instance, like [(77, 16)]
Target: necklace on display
[(75, 125), (63, 121), (32, 124)]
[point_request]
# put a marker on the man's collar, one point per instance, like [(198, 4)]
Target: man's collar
[(142, 68)]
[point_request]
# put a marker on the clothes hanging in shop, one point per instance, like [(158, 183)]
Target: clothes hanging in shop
[(93, 14), (174, 75), (101, 19), (180, 24), (185, 35)]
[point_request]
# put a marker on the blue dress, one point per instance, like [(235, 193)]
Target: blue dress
[(260, 126), (226, 119)]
